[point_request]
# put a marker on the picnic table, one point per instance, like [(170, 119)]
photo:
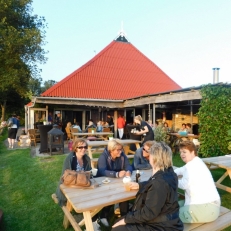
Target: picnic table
[(101, 135), (91, 201), (220, 162)]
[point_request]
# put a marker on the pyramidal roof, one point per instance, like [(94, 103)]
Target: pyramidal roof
[(119, 71)]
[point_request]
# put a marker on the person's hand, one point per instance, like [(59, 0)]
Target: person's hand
[(121, 222), (122, 173), (133, 185), (128, 173)]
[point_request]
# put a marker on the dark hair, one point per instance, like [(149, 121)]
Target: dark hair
[(189, 145), (90, 120), (189, 125)]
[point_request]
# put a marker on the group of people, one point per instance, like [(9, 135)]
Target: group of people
[(13, 126), (186, 127), (156, 206)]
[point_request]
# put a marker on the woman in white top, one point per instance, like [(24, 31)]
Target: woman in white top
[(202, 201)]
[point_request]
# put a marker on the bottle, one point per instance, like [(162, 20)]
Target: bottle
[(137, 176)]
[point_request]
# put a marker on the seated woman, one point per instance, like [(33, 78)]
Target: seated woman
[(99, 127), (166, 127), (141, 157), (156, 206), (202, 201), (115, 164), (76, 160), (183, 128), (76, 125)]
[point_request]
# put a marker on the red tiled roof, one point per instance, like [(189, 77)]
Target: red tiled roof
[(119, 71)]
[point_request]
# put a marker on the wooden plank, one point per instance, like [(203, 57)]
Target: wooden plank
[(223, 221), (70, 219)]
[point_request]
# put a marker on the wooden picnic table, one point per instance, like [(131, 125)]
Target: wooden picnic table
[(220, 162), (102, 135), (91, 201)]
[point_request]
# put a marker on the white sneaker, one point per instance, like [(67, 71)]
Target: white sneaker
[(104, 221), (96, 226)]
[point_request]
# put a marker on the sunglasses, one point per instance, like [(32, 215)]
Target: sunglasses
[(81, 147), (145, 150)]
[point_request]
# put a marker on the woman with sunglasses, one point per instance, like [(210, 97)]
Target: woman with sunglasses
[(141, 157), (76, 160)]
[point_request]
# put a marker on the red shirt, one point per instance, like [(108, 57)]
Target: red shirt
[(120, 122)]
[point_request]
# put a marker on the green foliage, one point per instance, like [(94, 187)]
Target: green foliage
[(47, 84), (22, 36), (214, 119), (160, 134)]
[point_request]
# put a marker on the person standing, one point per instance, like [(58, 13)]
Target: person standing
[(18, 125), (12, 131), (58, 120), (120, 126), (50, 118), (144, 129)]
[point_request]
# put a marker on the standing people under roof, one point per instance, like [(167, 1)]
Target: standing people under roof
[(120, 126), (144, 129)]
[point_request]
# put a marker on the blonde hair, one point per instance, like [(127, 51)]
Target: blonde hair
[(138, 117), (68, 124), (162, 155), (113, 144)]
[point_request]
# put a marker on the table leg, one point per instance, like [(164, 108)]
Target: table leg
[(219, 185), (68, 218), (88, 221)]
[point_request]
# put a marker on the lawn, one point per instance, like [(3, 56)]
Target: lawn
[(26, 185)]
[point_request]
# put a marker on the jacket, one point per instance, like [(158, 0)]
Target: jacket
[(139, 161), (156, 206), (68, 165), (108, 167), (120, 122)]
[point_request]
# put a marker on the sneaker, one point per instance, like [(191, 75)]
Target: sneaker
[(96, 226), (55, 198), (104, 222)]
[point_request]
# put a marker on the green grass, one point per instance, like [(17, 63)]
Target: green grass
[(26, 185)]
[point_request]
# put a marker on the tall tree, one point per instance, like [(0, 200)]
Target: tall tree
[(21, 39)]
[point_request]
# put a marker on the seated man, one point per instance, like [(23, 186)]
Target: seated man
[(202, 201), (90, 125), (115, 164), (141, 157)]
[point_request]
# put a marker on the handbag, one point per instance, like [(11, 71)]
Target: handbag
[(73, 178)]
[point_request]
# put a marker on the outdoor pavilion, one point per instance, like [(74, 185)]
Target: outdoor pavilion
[(118, 79)]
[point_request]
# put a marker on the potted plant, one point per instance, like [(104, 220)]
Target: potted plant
[(110, 137), (44, 122)]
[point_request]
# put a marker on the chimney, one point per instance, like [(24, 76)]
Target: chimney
[(216, 75)]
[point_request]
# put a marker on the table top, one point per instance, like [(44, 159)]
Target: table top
[(188, 135), (105, 142), (90, 133), (106, 194), (220, 161)]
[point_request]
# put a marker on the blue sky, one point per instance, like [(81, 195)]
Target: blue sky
[(185, 38)]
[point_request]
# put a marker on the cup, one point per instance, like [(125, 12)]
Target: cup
[(127, 187), (127, 179), (94, 171)]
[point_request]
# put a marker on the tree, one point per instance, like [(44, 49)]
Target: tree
[(47, 84), (21, 39)]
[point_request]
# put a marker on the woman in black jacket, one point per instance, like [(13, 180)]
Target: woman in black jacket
[(156, 205)]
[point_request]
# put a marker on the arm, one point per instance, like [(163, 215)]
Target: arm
[(127, 165), (138, 161), (155, 200), (184, 181), (103, 168)]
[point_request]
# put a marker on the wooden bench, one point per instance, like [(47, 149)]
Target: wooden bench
[(222, 222)]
